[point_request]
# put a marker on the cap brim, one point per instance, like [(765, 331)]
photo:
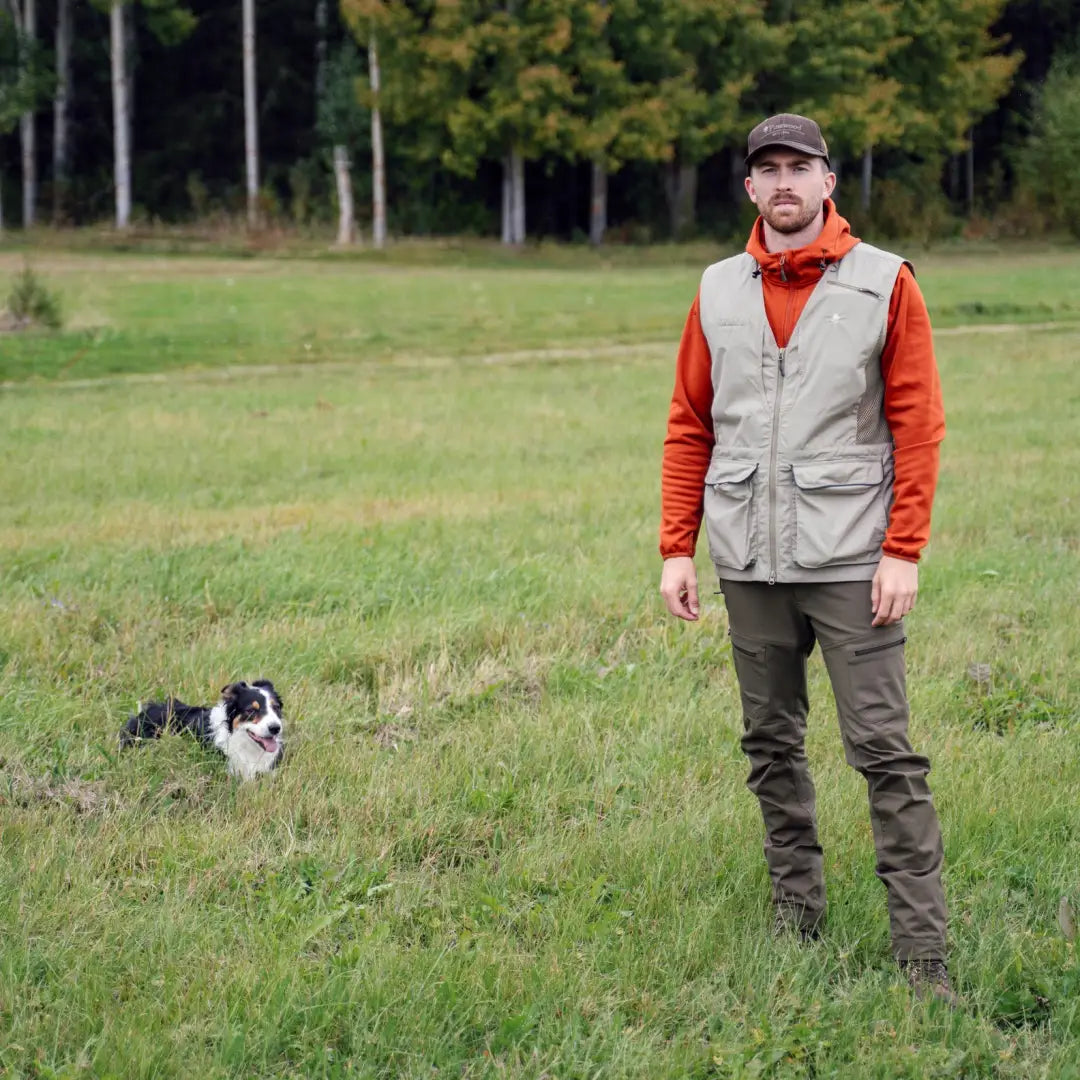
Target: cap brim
[(801, 147)]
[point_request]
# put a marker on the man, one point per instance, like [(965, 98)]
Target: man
[(804, 428)]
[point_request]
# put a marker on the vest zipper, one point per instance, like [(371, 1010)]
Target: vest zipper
[(773, 449), (856, 288)]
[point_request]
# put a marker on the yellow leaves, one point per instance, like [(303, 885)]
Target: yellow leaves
[(539, 80), (558, 39)]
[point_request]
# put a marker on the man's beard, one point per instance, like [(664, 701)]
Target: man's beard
[(789, 225)]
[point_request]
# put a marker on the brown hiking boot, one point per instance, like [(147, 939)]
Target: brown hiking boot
[(930, 981), (791, 919)]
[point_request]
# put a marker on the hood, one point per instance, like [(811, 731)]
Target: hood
[(805, 264)]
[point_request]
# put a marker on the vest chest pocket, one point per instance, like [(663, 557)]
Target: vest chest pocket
[(729, 512), (840, 514)]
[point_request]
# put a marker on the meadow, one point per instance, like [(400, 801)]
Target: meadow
[(511, 836)]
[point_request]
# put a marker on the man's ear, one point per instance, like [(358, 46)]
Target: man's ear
[(748, 183), (830, 183)]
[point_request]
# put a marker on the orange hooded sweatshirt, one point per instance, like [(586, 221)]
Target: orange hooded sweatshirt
[(913, 406)]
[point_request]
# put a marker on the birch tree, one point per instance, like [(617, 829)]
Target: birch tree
[(12, 85), (251, 123), (340, 161), (25, 82), (169, 23), (120, 111), (342, 125), (378, 157), (24, 18), (61, 99), (389, 31)]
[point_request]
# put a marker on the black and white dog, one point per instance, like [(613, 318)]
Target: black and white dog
[(245, 725)]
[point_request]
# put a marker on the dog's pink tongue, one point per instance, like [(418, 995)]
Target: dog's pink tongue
[(270, 745)]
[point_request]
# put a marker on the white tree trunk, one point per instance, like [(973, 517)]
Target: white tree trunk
[(513, 197), (598, 204), (378, 159), (518, 173), (26, 124), (507, 231), (61, 145), (251, 127), (121, 150), (346, 218), (867, 177), (131, 56)]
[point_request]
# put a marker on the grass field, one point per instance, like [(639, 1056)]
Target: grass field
[(510, 837)]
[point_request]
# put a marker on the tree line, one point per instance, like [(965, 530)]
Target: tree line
[(557, 117)]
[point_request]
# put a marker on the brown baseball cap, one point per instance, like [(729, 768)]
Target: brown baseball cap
[(789, 130)]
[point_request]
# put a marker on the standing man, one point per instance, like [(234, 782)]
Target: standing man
[(804, 428)]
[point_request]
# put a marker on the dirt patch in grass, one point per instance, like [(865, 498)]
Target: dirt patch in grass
[(391, 736), (26, 791)]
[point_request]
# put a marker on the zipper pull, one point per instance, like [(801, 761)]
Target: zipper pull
[(781, 363), (772, 577), (783, 272)]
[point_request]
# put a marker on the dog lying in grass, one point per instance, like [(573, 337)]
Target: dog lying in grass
[(245, 725)]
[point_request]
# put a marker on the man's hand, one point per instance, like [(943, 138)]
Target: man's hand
[(892, 594), (678, 587)]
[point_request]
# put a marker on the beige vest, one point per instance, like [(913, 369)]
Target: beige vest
[(800, 483)]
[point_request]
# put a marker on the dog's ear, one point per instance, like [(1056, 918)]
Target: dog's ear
[(268, 686), (229, 692)]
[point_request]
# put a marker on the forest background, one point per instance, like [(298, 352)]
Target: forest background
[(622, 120)]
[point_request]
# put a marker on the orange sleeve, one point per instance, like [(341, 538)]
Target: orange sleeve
[(689, 442), (915, 415)]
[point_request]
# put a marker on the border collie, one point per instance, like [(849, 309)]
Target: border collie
[(245, 725)]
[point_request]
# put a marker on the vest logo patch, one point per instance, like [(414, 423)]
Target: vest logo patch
[(835, 318)]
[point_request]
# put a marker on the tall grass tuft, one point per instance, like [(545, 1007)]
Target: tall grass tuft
[(32, 303)]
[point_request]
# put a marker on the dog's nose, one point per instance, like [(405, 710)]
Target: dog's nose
[(273, 728)]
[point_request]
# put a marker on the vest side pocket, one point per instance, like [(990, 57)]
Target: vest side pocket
[(840, 516), (729, 512)]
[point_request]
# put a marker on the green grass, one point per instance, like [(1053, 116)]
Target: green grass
[(510, 837), (135, 313)]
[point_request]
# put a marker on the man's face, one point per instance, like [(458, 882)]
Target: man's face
[(789, 188)]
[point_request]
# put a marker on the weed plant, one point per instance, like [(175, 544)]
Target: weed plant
[(32, 303)]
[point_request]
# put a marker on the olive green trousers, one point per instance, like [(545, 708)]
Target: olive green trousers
[(773, 629)]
